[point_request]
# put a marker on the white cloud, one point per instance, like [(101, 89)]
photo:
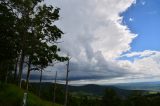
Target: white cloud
[(147, 66), (135, 1), (143, 2), (95, 38), (97, 24), (131, 19), (141, 54)]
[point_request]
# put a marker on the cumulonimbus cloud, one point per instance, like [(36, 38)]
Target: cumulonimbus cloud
[(95, 38)]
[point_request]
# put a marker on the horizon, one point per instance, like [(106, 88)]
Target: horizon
[(125, 84)]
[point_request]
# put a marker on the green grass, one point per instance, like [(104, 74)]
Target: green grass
[(11, 95), (153, 92)]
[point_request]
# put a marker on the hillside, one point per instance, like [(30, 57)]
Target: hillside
[(98, 90), (91, 89), (11, 95), (148, 86)]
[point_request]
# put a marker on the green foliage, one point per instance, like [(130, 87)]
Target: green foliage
[(10, 95), (8, 47), (7, 44), (111, 98), (47, 92), (28, 34)]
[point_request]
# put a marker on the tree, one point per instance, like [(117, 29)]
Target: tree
[(36, 34), (54, 90), (111, 98), (8, 36), (66, 85)]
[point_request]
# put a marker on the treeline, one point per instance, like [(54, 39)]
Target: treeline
[(28, 38), (136, 98), (109, 98)]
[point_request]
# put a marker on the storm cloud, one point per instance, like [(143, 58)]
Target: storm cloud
[(95, 39)]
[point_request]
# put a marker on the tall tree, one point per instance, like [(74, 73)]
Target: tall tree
[(111, 98), (27, 30), (8, 36), (36, 32)]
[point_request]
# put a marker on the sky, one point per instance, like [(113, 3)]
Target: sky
[(109, 41)]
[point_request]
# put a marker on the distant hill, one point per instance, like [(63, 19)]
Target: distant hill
[(122, 89), (98, 90), (91, 89), (148, 86)]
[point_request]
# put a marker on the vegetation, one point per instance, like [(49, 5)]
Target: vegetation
[(28, 38), (11, 95), (110, 96)]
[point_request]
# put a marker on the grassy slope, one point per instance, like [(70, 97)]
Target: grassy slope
[(11, 95)]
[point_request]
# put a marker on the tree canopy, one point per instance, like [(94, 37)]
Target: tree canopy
[(28, 34)]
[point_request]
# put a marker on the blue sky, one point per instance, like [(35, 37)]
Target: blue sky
[(143, 18)]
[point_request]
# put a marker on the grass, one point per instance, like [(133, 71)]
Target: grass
[(153, 92), (11, 95)]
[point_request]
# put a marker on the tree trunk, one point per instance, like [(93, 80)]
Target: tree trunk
[(55, 82), (66, 90), (40, 84), (2, 71), (7, 72), (15, 70), (28, 73), (21, 68), (7, 68)]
